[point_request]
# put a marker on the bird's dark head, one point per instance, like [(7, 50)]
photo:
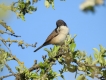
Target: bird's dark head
[(60, 23)]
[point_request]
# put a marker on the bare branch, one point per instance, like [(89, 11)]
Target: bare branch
[(12, 34), (10, 69), (6, 76)]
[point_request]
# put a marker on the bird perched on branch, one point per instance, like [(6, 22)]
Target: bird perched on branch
[(58, 35)]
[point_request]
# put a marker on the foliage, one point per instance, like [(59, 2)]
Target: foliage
[(20, 8), (71, 59), (89, 5)]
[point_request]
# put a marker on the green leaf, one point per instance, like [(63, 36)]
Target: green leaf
[(72, 47), (89, 60), (47, 50), (50, 54), (57, 48), (96, 50), (43, 65), (23, 6), (81, 77), (47, 4), (22, 17), (60, 59), (18, 69), (104, 73), (63, 77), (95, 62), (95, 55), (81, 68), (54, 48), (73, 68), (102, 49), (33, 75), (102, 60), (40, 64), (53, 52), (53, 4), (31, 8)]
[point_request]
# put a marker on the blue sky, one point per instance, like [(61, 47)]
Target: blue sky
[(89, 27)]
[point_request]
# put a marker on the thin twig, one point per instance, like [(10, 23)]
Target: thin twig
[(9, 69), (7, 46), (14, 57), (6, 76), (12, 34), (34, 67), (20, 43)]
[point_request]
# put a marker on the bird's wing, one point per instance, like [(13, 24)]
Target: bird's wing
[(51, 36)]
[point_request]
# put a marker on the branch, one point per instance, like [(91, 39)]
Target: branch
[(12, 34), (11, 55), (6, 76), (50, 60), (6, 27), (10, 70), (14, 58), (87, 65), (34, 67), (20, 42)]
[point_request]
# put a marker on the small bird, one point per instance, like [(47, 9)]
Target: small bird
[(58, 36)]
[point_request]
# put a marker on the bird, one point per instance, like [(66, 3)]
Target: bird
[(58, 35)]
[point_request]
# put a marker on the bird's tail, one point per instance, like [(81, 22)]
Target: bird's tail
[(38, 48)]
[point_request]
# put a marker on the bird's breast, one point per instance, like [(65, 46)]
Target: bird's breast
[(59, 39)]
